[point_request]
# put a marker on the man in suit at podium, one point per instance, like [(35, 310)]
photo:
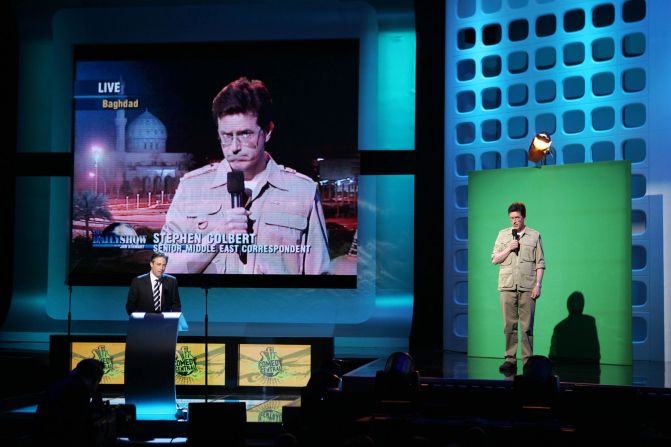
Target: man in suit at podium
[(154, 291)]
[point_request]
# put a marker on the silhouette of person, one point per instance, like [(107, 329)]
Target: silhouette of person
[(575, 348), (66, 411), (537, 386), (575, 338)]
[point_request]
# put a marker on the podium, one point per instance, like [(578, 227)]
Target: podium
[(150, 362)]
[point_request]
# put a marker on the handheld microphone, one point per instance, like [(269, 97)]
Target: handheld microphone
[(235, 183), (517, 238)]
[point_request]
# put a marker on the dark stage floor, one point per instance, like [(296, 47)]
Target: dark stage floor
[(264, 419), (441, 375), (451, 366)]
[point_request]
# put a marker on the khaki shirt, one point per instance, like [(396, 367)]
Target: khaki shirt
[(285, 211), (518, 271)]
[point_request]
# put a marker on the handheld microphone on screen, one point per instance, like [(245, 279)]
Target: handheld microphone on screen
[(235, 183), (516, 237)]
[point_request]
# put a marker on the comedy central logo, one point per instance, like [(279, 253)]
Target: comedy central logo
[(102, 354), (185, 362), (270, 364), (270, 415)]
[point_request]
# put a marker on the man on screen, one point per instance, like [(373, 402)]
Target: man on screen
[(519, 252), (277, 210), (154, 291)]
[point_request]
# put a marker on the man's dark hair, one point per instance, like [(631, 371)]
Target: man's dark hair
[(243, 96), (519, 207), (89, 369), (158, 254)]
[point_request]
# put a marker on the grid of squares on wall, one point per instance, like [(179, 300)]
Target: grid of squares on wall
[(576, 70)]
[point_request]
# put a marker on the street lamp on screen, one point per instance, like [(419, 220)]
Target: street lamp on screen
[(97, 152)]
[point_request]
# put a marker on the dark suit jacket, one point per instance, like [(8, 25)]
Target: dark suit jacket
[(141, 295)]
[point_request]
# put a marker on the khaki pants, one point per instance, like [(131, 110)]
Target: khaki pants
[(517, 305)]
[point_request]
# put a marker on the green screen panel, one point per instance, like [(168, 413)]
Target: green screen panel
[(583, 213)]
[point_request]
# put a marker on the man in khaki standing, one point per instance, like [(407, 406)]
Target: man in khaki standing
[(518, 251)]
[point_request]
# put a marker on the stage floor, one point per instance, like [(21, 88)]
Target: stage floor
[(451, 366), (264, 419), (438, 371), (261, 409)]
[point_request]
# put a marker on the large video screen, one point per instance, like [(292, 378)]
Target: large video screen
[(279, 365), (237, 160)]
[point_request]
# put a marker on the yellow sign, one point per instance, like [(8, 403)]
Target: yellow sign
[(112, 355), (270, 411), (274, 365), (189, 361), (190, 364)]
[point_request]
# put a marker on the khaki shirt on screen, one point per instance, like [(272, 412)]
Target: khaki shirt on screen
[(285, 210)]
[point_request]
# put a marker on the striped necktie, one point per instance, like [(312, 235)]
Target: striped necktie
[(157, 295)]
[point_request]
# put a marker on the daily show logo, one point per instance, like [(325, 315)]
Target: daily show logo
[(102, 239)]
